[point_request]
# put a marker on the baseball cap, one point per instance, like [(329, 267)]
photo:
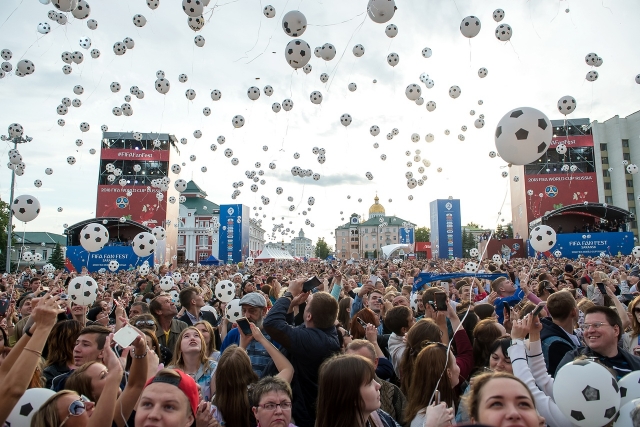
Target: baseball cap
[(185, 383), (253, 299)]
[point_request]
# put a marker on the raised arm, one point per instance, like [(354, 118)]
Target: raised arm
[(285, 368)]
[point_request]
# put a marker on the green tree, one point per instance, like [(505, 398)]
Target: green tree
[(322, 249), (499, 231), (509, 231), (57, 258), (468, 242), (4, 221), (422, 234), (473, 225)]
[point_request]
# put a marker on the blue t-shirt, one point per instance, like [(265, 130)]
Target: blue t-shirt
[(258, 355)]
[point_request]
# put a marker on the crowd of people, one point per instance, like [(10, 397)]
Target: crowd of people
[(365, 347)]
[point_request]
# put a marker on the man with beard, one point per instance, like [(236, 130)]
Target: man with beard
[(254, 308)]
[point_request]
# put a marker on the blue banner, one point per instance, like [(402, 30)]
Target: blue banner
[(78, 257), (446, 229), (406, 236), (424, 278), (573, 245), (234, 233)]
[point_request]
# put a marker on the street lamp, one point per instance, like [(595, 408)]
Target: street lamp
[(16, 138)]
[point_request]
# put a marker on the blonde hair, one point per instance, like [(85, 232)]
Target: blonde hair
[(178, 362), (47, 414)]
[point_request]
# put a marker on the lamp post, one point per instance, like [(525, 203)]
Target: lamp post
[(16, 140)]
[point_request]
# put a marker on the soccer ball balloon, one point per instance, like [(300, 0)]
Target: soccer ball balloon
[(144, 244), (542, 238), (83, 290), (25, 208), (523, 135), (94, 237), (225, 290)]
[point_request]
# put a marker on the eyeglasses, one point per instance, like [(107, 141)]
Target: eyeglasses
[(595, 325), (272, 406), (145, 323), (76, 408)]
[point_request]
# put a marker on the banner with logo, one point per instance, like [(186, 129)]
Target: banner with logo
[(572, 245), (233, 241), (553, 191), (446, 229), (406, 236), (141, 206), (572, 141), (77, 257), (139, 155)]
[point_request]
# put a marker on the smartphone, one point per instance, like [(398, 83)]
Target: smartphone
[(441, 301), (243, 324), (125, 336), (362, 322), (506, 306), (549, 289), (538, 309), (600, 286), (310, 284), (436, 397), (4, 306)]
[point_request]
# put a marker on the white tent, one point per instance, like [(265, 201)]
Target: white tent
[(388, 250), (271, 254)]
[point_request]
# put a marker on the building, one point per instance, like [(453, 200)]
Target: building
[(198, 226), (555, 180), (300, 246), (592, 170), (36, 242), (132, 166), (363, 239), (256, 237), (616, 144)]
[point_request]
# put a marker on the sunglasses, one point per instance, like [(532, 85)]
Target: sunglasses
[(145, 323), (76, 408)]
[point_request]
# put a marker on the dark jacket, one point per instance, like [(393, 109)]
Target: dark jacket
[(307, 349), (206, 315), (555, 344), (52, 371), (633, 361)]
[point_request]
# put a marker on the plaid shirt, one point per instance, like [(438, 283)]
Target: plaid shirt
[(257, 353)]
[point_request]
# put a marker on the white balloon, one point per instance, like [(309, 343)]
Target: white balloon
[(94, 237), (25, 208), (144, 244), (233, 311), (297, 53), (192, 8), (523, 135), (542, 238), (566, 105), (503, 32), (294, 23), (413, 92), (391, 31), (225, 290), (470, 27), (328, 52), (381, 11), (83, 290), (28, 404)]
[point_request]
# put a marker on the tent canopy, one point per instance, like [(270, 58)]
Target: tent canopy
[(211, 261), (272, 254), (388, 250)]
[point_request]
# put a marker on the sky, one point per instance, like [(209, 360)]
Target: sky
[(543, 61)]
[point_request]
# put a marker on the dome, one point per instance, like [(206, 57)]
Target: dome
[(376, 209)]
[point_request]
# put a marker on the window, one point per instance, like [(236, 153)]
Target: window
[(44, 254), (607, 186), (366, 246), (374, 246), (181, 240), (366, 230), (605, 160), (625, 143), (603, 147), (203, 241), (629, 183), (632, 210), (394, 237), (626, 156), (605, 173), (608, 199), (202, 256), (630, 197)]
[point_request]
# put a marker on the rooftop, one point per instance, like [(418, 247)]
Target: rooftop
[(39, 237)]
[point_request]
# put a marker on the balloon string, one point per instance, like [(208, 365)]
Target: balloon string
[(333, 72)]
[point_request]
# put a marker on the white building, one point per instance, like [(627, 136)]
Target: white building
[(256, 237), (362, 239), (198, 224), (617, 140), (301, 246), (36, 242)]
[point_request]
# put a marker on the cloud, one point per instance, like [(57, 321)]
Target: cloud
[(325, 180)]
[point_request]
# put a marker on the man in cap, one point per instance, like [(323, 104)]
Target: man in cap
[(254, 308)]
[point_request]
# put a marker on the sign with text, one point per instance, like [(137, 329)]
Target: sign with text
[(406, 236), (553, 191), (78, 257), (141, 206), (234, 233), (139, 155), (446, 229), (572, 245), (572, 141)]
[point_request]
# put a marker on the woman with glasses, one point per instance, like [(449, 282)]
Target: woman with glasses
[(68, 408), (272, 397)]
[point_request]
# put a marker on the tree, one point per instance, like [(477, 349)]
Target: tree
[(509, 232), (468, 242), (57, 258), (322, 249), (375, 254), (473, 225), (499, 234), (422, 234), (4, 221)]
